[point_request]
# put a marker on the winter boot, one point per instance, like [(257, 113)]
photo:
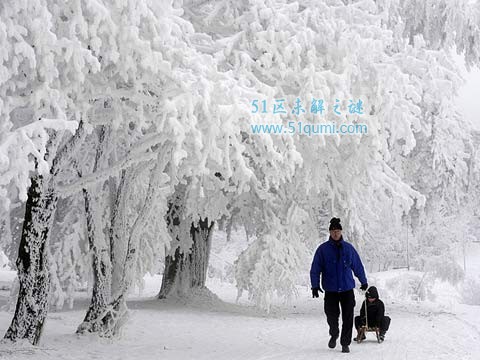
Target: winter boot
[(381, 337), (332, 342), (345, 349)]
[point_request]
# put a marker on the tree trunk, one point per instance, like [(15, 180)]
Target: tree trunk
[(94, 320), (114, 265), (102, 275), (117, 235), (116, 313), (185, 271), (32, 261), (32, 264)]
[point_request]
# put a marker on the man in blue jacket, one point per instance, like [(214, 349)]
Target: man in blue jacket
[(335, 259)]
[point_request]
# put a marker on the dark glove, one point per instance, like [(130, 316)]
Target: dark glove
[(364, 287), (315, 292)]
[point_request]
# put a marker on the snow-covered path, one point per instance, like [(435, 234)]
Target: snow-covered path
[(209, 329)]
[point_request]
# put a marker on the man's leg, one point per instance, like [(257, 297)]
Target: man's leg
[(332, 311), (347, 301)]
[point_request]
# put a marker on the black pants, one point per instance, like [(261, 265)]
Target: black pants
[(384, 323), (346, 300)]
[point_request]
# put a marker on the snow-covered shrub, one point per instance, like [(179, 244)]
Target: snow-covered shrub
[(225, 249), (470, 291), (409, 286), (442, 267)]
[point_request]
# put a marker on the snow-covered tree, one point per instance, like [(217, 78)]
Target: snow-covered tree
[(443, 24), (297, 50), (275, 46), (75, 58), (156, 98)]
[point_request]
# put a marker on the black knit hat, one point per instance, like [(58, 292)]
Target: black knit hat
[(335, 224), (372, 292)]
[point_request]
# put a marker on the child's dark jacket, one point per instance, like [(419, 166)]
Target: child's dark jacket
[(375, 309)]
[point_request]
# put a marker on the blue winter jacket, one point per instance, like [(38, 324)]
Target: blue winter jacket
[(336, 263)]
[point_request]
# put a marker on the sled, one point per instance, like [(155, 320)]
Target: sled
[(362, 333)]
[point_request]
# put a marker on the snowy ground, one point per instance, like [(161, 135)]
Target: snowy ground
[(212, 328), (208, 328)]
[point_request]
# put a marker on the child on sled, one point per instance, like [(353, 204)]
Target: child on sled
[(373, 318)]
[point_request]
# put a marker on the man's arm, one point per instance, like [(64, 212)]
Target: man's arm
[(316, 269), (357, 267)]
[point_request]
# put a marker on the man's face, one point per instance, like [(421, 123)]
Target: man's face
[(336, 234), (371, 299)]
